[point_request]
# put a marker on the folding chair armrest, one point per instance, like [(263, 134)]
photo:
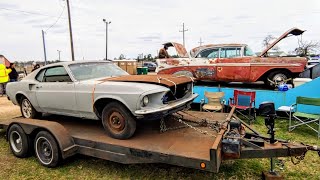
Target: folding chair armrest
[(231, 101), (292, 108), (202, 101)]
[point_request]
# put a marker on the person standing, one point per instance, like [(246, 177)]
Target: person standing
[(14, 74), (4, 78), (37, 66), (163, 52)]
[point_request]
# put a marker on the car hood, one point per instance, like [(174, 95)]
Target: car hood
[(292, 31), (181, 50), (164, 80)]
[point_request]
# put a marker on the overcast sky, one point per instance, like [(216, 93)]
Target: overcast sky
[(141, 26)]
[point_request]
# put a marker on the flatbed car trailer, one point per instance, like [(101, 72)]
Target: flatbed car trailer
[(198, 140)]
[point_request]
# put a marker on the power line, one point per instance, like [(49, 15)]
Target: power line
[(57, 19)]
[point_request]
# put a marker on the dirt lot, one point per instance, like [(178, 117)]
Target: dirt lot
[(7, 109), (84, 167)]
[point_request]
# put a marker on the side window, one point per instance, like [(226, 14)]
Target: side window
[(208, 53), (40, 75), (56, 74), (230, 52)]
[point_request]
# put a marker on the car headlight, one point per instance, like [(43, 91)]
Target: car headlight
[(145, 101)]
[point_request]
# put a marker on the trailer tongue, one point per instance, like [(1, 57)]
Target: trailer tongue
[(199, 140)]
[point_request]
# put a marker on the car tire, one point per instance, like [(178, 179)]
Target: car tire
[(46, 149), (275, 75), (118, 121), (27, 110), (19, 141)]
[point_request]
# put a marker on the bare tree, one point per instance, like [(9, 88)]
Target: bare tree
[(268, 40), (306, 48)]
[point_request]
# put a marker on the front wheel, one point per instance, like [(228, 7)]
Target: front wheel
[(27, 110), (274, 78), (118, 121)]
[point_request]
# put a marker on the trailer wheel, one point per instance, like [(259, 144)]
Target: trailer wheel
[(118, 121), (27, 110), (46, 149), (19, 141)]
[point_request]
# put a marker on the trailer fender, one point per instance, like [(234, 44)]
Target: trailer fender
[(63, 138)]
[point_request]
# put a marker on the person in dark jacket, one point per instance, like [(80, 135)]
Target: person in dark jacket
[(37, 66), (163, 52), (14, 74)]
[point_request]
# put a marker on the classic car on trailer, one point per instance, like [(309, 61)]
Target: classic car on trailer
[(234, 63), (101, 90)]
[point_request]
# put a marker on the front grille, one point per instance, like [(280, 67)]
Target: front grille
[(177, 92)]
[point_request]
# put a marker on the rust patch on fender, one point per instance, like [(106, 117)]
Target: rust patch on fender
[(163, 79)]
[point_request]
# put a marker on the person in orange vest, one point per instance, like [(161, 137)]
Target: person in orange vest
[(4, 78)]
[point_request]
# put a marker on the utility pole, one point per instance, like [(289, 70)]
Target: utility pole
[(70, 30), (59, 54), (200, 42), (183, 30), (107, 23), (44, 48)]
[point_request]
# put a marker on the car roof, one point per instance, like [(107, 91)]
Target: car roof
[(196, 50), (75, 62)]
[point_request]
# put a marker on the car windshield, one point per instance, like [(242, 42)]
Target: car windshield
[(85, 71), (248, 51)]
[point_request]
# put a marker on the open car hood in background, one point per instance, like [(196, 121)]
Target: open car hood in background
[(293, 31), (166, 80), (181, 50)]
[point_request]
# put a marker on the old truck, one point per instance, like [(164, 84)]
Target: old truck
[(234, 63)]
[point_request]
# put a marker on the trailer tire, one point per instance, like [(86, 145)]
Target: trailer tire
[(46, 149), (27, 110), (19, 141), (118, 121)]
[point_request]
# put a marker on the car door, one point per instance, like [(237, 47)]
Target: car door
[(231, 66), (55, 93), (206, 65)]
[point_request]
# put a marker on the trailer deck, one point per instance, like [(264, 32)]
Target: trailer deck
[(187, 147)]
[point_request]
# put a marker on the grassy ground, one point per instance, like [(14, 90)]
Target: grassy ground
[(83, 167)]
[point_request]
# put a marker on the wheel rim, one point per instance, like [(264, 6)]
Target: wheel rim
[(44, 150), (16, 141), (279, 77), (116, 122), (26, 108)]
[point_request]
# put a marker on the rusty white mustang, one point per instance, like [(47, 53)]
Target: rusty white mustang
[(101, 90)]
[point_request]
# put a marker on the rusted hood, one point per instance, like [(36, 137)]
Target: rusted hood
[(293, 31), (165, 80), (181, 50)]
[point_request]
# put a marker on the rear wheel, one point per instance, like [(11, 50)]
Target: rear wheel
[(46, 149), (27, 110), (277, 76), (118, 121), (19, 141)]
